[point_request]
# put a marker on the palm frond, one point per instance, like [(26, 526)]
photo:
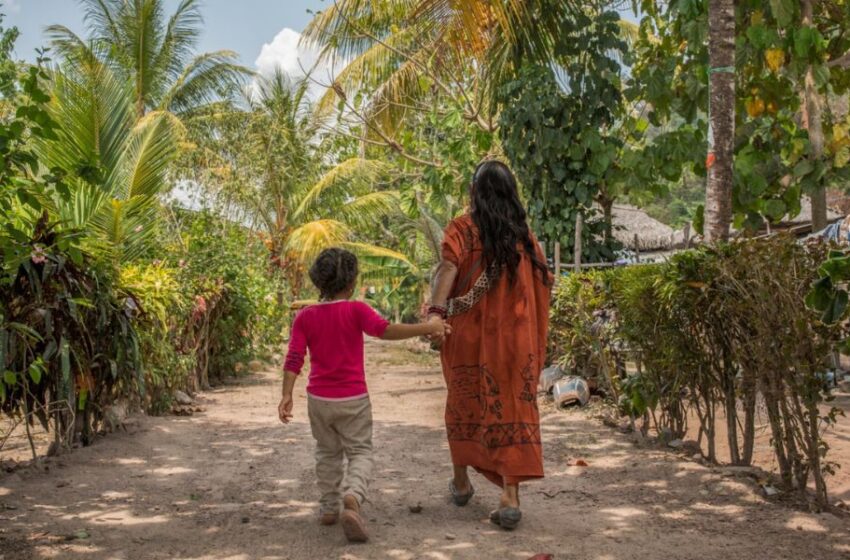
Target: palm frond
[(150, 148), (180, 38), (91, 106), (332, 27), (71, 47), (381, 266), (136, 50), (207, 78), (362, 212), (101, 17), (127, 227), (369, 69), (374, 251), (340, 183), (389, 104), (311, 238)]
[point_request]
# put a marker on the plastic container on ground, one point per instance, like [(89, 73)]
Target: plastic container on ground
[(571, 391), (549, 376)]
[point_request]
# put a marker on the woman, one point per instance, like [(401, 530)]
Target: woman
[(493, 286)]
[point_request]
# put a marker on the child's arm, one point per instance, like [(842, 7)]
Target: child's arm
[(398, 331), (291, 369), (284, 409)]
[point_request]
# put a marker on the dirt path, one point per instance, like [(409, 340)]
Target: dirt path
[(232, 483)]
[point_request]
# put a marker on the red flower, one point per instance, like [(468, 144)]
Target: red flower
[(37, 256), (200, 308)]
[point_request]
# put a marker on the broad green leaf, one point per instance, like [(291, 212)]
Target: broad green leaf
[(65, 361), (821, 294), (82, 399), (774, 209), (783, 11), (837, 269), (35, 371), (835, 311)]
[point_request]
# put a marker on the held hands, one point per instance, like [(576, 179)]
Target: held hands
[(439, 329), (284, 409)]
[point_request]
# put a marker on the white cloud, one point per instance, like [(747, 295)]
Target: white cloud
[(286, 52), (13, 6)]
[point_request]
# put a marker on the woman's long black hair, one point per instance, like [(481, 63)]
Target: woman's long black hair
[(501, 219)]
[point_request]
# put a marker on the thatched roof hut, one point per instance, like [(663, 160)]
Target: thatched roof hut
[(637, 230)]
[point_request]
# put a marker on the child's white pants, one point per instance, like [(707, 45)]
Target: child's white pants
[(342, 428)]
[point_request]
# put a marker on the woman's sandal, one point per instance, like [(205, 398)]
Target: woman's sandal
[(459, 499), (507, 518)]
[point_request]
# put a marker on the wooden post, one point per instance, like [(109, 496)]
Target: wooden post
[(686, 234), (577, 248), (637, 249), (542, 248), (557, 261)]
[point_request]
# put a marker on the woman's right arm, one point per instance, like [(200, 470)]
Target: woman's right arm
[(441, 287), (444, 279)]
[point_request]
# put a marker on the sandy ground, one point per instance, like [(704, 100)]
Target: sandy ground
[(233, 483)]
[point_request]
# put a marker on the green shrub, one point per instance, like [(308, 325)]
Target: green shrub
[(163, 313), (575, 306), (237, 311), (67, 344), (713, 331)]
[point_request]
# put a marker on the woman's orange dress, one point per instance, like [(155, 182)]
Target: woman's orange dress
[(492, 362)]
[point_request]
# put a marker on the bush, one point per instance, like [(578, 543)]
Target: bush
[(714, 329), (162, 316), (237, 296), (67, 343)]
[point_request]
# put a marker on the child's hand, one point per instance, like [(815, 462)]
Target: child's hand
[(439, 328), (284, 409)]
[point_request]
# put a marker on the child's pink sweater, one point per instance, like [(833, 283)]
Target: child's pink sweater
[(333, 332)]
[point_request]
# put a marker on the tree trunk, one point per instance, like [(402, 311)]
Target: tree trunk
[(730, 404), (813, 105), (607, 211), (721, 128), (749, 420)]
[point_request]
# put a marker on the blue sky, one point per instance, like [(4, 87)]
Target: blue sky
[(244, 26)]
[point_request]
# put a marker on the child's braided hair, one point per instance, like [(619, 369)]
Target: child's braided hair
[(334, 271)]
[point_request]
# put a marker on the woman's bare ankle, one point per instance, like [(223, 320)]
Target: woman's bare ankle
[(510, 496), (461, 480)]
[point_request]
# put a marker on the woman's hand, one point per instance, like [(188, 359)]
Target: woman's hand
[(441, 329)]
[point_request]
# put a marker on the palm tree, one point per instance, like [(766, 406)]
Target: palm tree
[(402, 51), (120, 163), (272, 164), (153, 52), (721, 48)]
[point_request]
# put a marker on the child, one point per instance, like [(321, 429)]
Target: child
[(337, 401)]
